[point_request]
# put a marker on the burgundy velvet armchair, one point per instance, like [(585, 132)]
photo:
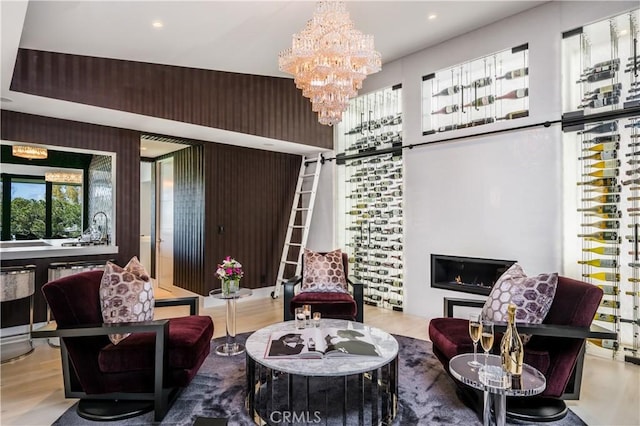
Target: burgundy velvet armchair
[(556, 347), (330, 305), (143, 372)]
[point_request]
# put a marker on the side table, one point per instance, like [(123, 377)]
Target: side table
[(532, 382), (230, 347)]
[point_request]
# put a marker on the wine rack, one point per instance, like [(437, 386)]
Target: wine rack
[(601, 104), (370, 184), (478, 92)]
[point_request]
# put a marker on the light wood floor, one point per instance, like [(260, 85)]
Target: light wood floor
[(31, 389)]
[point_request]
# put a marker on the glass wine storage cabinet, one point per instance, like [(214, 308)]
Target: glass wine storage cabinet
[(369, 187), (601, 123)]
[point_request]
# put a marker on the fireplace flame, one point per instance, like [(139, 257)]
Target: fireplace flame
[(458, 279)]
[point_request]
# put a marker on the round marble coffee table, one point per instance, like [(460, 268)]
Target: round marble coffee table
[(340, 390)]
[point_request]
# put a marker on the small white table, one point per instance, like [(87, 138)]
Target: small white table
[(531, 382), (230, 348), (349, 390)]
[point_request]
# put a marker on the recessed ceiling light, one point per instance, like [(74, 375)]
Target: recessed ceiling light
[(157, 24), (143, 148), (432, 16)]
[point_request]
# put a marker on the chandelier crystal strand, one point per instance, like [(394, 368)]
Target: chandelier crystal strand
[(329, 59)]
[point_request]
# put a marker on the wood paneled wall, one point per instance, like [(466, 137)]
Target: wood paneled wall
[(258, 105), (64, 133)]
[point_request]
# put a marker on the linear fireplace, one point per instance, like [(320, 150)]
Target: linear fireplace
[(466, 274)]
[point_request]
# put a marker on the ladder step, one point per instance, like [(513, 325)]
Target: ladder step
[(308, 176), (295, 244), (290, 262), (305, 192), (298, 226), (301, 208)]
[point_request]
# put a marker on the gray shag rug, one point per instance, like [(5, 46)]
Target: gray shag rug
[(427, 395)]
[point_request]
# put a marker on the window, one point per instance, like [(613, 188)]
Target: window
[(32, 208)]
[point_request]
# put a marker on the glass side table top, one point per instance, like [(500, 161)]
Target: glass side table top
[(532, 381), (242, 292)]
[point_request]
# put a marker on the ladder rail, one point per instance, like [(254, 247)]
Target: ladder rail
[(303, 227)]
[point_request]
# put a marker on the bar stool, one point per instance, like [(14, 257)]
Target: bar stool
[(17, 282)]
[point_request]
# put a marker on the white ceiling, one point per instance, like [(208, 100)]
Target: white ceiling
[(236, 36)]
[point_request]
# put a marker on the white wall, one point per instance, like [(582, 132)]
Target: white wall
[(496, 196), (321, 233)]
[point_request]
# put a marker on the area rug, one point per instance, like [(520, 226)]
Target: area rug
[(427, 395)]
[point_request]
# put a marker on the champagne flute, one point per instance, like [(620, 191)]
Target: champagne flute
[(486, 338), (475, 329)]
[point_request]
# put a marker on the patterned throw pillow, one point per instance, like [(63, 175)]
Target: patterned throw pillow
[(126, 295), (323, 272), (531, 295)]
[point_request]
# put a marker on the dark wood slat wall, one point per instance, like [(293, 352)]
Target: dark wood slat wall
[(125, 143), (248, 194), (189, 219), (258, 105)]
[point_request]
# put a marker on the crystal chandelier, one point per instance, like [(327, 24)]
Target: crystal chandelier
[(29, 152), (63, 177), (329, 59)]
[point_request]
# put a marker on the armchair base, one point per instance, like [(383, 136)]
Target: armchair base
[(536, 409), (103, 410)]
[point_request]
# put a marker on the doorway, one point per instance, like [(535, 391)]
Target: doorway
[(164, 224)]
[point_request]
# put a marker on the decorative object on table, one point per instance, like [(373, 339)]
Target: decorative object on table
[(126, 295), (230, 272), (511, 347), (329, 59), (475, 330)]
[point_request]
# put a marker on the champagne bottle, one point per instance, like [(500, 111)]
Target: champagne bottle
[(600, 263), (604, 224), (482, 101), (515, 114), (604, 208), (604, 276), (449, 109), (511, 347), (604, 164), (602, 156), (448, 91), (521, 72), (603, 147), (603, 139), (603, 173), (601, 236), (600, 182), (607, 251), (515, 94), (612, 126), (608, 198)]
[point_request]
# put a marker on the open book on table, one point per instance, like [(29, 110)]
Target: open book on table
[(321, 343)]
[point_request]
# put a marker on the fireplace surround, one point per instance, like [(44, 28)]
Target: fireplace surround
[(466, 274)]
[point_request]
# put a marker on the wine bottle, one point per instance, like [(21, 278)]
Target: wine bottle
[(631, 181), (448, 91), (602, 156), (601, 69), (603, 173), (511, 347), (599, 103), (605, 317), (616, 215), (607, 251), (605, 89), (598, 76), (604, 235), (600, 263), (608, 198), (603, 139), (354, 212), (599, 182), (605, 343), (481, 82), (515, 94), (604, 164), (634, 264), (604, 224), (354, 179), (605, 189), (603, 147), (515, 114), (613, 304), (482, 101), (521, 72), (611, 126), (449, 109), (600, 96), (610, 290), (598, 66), (604, 276)]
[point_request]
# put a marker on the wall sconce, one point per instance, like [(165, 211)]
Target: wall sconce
[(63, 177), (29, 152)]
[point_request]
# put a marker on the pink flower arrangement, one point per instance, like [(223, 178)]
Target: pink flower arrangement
[(229, 269)]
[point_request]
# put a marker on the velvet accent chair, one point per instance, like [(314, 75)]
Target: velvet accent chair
[(556, 347), (143, 372), (347, 306)]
